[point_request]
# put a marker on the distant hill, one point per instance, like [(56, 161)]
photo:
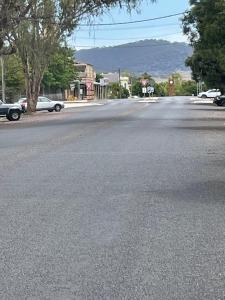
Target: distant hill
[(157, 57)]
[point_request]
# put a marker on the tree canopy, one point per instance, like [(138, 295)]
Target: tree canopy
[(204, 24), (61, 70), (12, 12)]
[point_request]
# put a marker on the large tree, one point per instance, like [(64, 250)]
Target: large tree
[(44, 28), (204, 24), (12, 12)]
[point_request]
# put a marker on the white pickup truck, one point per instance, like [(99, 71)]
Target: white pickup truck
[(210, 94)]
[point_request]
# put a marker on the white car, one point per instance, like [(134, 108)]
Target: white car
[(210, 94), (43, 104)]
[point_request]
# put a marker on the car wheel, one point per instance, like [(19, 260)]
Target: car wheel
[(50, 110), (58, 108), (204, 96), (14, 115)]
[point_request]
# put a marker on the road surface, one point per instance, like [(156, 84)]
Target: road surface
[(120, 201)]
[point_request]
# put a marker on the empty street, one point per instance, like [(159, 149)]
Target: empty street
[(124, 200)]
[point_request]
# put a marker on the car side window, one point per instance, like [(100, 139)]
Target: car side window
[(44, 99)]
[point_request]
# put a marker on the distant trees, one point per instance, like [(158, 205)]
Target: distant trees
[(182, 87), (136, 88), (118, 91), (204, 25), (98, 77)]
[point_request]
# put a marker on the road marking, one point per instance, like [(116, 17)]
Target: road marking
[(147, 101), (202, 102)]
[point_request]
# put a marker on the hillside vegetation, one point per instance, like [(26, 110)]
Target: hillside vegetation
[(157, 57)]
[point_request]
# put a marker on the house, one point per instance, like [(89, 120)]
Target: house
[(84, 87), (115, 77)]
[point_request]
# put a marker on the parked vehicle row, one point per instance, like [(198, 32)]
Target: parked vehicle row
[(13, 111), (219, 99)]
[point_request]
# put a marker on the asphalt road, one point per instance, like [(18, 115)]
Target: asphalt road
[(121, 201)]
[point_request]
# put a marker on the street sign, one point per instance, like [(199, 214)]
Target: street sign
[(144, 90), (150, 89), (72, 86), (104, 81), (89, 85)]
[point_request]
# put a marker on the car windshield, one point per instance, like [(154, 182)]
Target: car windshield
[(22, 100)]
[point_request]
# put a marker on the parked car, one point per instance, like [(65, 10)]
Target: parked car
[(219, 100), (43, 104), (210, 94), (22, 102), (11, 111)]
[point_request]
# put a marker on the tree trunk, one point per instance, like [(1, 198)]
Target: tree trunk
[(33, 85)]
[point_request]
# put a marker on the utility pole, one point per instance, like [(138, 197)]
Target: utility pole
[(3, 78), (119, 85)]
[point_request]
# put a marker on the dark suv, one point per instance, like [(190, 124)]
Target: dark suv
[(11, 111), (219, 101)]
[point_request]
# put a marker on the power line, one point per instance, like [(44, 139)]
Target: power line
[(133, 22), (132, 28)]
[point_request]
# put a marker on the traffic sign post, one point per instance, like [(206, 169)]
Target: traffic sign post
[(150, 90), (144, 91)]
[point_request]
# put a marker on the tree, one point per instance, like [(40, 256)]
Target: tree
[(137, 85), (118, 91), (12, 12), (161, 89), (204, 24), (61, 70), (14, 77), (136, 89), (98, 77), (187, 88)]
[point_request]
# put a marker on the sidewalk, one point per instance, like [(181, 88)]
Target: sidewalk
[(196, 100), (84, 103)]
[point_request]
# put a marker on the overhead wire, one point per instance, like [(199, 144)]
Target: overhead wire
[(134, 22), (130, 28)]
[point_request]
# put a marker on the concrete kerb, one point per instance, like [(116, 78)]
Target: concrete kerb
[(149, 100), (81, 104), (196, 100)]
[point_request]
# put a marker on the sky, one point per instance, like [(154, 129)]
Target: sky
[(167, 29)]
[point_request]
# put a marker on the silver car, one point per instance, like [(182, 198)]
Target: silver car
[(43, 103)]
